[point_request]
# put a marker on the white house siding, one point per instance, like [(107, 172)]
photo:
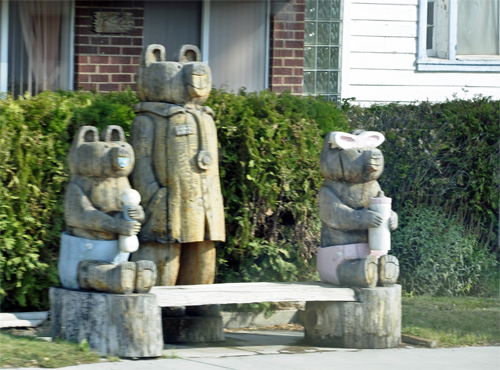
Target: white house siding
[(380, 52)]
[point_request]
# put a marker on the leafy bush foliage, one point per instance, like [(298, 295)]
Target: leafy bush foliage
[(269, 165), (35, 134), (443, 154), (439, 257), (436, 154)]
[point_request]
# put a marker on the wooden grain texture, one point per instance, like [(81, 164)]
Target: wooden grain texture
[(373, 322), (165, 256), (194, 295), (412, 339), (384, 12), (383, 44), (197, 263), (383, 28), (124, 325), (359, 272)]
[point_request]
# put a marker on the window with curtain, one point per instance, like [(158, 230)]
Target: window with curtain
[(39, 55), (237, 44), (236, 32), (478, 27), (459, 35), (172, 24)]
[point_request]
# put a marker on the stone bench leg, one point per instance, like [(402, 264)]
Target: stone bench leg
[(372, 322), (124, 325), (194, 324)]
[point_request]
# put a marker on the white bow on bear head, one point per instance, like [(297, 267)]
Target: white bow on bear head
[(365, 140)]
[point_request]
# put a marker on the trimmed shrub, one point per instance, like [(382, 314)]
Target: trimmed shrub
[(439, 257), (269, 173), (443, 154), (270, 176), (35, 134)]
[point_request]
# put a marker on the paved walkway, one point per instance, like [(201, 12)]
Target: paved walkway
[(264, 350)]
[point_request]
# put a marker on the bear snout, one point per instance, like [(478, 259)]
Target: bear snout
[(121, 157), (374, 160), (198, 79)]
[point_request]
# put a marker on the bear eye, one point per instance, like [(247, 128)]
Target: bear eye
[(106, 146), (359, 150)]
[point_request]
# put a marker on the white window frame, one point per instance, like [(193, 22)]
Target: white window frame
[(4, 46), (452, 63)]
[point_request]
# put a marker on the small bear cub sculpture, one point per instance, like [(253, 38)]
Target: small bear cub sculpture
[(351, 165), (94, 216)]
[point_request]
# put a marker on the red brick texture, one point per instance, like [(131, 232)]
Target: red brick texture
[(106, 61), (287, 48)]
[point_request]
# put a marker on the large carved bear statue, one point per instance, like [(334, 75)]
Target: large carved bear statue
[(351, 165), (176, 172), (90, 256)]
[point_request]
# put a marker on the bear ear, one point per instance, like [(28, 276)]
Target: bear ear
[(113, 133), (370, 139), (151, 54), (189, 53), (86, 134), (342, 140)]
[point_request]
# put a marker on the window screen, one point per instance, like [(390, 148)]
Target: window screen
[(237, 44), (172, 24)]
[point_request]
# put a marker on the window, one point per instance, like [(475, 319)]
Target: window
[(459, 35), (36, 50), (322, 48)]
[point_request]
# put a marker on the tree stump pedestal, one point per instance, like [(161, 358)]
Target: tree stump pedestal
[(374, 321), (124, 325)]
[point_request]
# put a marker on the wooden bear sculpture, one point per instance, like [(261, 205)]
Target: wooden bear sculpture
[(177, 172), (351, 165), (90, 257)]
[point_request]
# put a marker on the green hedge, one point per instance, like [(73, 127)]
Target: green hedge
[(443, 154), (269, 153), (35, 134), (442, 173), (270, 148)]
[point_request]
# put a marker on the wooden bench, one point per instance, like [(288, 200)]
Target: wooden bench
[(131, 325), (195, 295), (335, 316)]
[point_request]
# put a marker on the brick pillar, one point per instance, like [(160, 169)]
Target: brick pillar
[(287, 48), (106, 61)]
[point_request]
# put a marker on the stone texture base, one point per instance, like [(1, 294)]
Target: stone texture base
[(373, 322), (124, 325), (192, 329)]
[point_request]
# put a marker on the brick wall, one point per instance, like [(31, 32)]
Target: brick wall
[(106, 62), (287, 48)]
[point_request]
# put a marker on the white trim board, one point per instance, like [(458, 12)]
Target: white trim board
[(4, 46)]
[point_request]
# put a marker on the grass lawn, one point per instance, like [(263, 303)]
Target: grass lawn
[(449, 321), (20, 351), (453, 322)]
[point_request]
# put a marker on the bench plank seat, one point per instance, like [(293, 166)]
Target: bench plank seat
[(195, 295)]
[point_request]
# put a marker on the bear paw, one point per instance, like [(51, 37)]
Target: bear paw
[(388, 270), (359, 272), (145, 277)]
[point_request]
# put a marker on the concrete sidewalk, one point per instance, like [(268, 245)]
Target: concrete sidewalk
[(285, 350)]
